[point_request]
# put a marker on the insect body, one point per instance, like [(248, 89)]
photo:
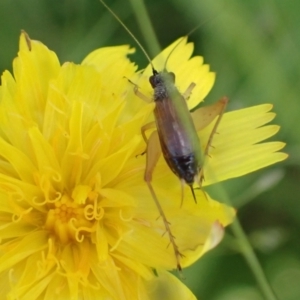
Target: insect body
[(177, 129), (176, 135), (178, 138)]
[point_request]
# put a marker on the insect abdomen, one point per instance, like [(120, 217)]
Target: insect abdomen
[(185, 167), (176, 146)]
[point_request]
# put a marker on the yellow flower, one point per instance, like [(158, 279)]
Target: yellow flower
[(77, 219)]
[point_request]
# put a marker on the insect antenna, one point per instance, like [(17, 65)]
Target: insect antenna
[(182, 39), (130, 33)]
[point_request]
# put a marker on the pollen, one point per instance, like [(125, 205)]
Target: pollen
[(69, 221)]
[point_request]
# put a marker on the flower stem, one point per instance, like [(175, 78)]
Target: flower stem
[(253, 263), (146, 27)]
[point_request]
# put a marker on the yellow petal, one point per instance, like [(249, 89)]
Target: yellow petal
[(33, 69), (18, 160), (176, 58), (18, 250), (235, 150), (166, 286), (26, 284), (116, 68), (191, 224)]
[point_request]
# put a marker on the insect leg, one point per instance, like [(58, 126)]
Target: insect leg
[(178, 255), (145, 128), (203, 116), (210, 112), (153, 154), (222, 106), (188, 91), (140, 94)]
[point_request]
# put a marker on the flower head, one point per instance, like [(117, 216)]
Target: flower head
[(77, 219)]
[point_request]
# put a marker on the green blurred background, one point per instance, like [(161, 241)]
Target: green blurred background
[(254, 47)]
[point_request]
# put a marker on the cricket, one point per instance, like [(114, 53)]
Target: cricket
[(175, 135)]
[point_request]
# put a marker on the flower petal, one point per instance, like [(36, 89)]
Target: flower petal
[(34, 68), (16, 251), (166, 286), (234, 150), (176, 58)]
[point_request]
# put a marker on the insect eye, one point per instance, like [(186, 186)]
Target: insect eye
[(152, 81)]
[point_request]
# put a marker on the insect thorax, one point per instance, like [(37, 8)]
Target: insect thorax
[(163, 84)]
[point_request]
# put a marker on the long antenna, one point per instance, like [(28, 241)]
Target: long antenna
[(182, 39), (129, 32)]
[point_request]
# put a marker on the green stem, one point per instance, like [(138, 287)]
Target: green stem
[(146, 27), (252, 261)]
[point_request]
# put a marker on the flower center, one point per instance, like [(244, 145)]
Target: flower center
[(69, 220)]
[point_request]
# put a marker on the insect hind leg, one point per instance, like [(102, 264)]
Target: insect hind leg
[(153, 154), (223, 101), (177, 253)]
